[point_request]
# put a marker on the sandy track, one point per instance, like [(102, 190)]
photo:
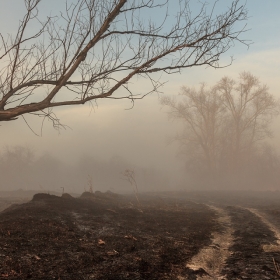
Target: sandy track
[(251, 236), (273, 228), (211, 259), (246, 247)]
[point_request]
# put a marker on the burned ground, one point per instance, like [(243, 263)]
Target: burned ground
[(110, 236), (107, 237)]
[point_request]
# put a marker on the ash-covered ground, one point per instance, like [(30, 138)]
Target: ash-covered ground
[(186, 235)]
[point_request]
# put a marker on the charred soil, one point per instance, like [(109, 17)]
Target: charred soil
[(109, 236), (102, 236)]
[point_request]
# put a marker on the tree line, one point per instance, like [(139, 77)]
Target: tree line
[(22, 168)]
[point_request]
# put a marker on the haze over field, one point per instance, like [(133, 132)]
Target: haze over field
[(103, 141)]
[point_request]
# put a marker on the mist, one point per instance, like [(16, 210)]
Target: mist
[(22, 169), (102, 140), (99, 145)]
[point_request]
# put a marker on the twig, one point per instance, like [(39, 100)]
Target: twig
[(130, 177)]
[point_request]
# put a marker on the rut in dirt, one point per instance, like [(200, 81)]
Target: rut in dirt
[(248, 259), (211, 259), (272, 227), (246, 248)]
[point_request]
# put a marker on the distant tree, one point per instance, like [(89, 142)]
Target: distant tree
[(16, 165), (267, 171), (225, 126), (202, 112), (95, 48), (251, 108), (17, 155)]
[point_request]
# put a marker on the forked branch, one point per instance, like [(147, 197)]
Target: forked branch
[(95, 49)]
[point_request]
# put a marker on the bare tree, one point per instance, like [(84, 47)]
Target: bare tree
[(95, 48), (267, 171), (251, 108), (226, 125), (203, 114)]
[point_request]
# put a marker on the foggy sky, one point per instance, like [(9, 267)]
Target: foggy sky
[(140, 135)]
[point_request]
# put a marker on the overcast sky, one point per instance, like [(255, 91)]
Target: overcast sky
[(140, 135)]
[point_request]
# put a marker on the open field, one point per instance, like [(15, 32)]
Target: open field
[(187, 235)]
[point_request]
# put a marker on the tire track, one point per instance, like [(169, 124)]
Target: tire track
[(210, 261), (244, 249), (251, 235), (268, 247)]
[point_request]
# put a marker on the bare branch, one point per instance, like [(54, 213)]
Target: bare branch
[(94, 48)]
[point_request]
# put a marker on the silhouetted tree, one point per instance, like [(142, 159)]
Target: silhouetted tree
[(225, 126), (251, 108), (203, 113)]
